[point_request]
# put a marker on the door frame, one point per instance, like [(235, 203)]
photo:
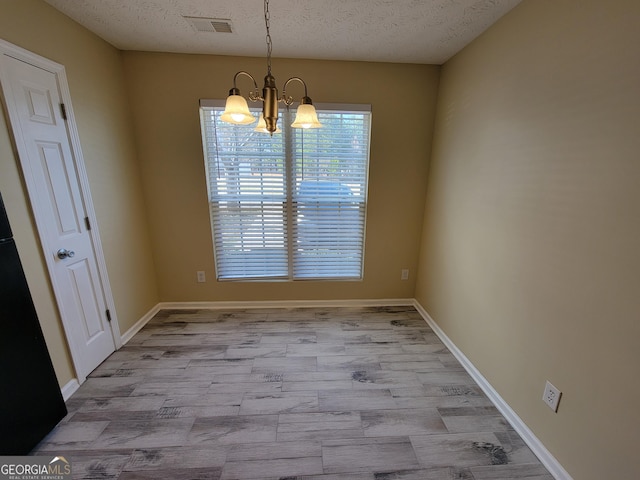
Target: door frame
[(58, 70)]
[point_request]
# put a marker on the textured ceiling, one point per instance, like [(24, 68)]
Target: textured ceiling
[(405, 31)]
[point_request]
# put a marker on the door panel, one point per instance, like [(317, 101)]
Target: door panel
[(40, 106), (58, 180), (85, 292)]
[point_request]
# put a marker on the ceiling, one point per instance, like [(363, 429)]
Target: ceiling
[(401, 31)]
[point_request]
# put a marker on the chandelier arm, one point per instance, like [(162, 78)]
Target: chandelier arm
[(289, 100), (254, 95), (242, 72)]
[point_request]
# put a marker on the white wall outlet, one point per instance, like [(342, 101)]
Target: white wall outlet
[(201, 276), (551, 396), (404, 274)]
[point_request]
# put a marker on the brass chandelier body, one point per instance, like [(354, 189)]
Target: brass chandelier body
[(237, 111)]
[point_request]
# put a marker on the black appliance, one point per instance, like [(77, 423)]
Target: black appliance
[(31, 403)]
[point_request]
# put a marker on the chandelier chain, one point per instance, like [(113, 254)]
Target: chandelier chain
[(267, 22)]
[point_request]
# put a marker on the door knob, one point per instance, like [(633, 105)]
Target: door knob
[(64, 253)]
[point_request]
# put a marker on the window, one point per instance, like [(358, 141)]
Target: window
[(291, 206)]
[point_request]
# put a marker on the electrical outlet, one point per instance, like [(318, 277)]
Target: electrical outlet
[(551, 396), (404, 274), (201, 277)]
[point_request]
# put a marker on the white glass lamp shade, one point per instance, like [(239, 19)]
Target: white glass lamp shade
[(237, 111), (306, 117), (262, 126)]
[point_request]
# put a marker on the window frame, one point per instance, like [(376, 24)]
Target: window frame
[(290, 220)]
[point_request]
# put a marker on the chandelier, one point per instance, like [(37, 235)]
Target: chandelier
[(236, 109)]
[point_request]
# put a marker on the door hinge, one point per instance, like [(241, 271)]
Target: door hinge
[(87, 223), (108, 314), (63, 111)]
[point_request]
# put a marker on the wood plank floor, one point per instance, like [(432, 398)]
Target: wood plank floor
[(286, 394)]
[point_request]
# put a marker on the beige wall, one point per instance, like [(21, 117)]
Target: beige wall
[(165, 90), (94, 72), (530, 259)]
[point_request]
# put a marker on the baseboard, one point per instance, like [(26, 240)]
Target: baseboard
[(128, 335), (395, 302), (69, 389), (536, 446)]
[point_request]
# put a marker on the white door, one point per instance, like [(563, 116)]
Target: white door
[(49, 161)]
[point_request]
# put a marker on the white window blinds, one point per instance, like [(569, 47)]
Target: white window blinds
[(291, 206)]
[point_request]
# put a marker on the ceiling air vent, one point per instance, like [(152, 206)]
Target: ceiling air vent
[(212, 25)]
